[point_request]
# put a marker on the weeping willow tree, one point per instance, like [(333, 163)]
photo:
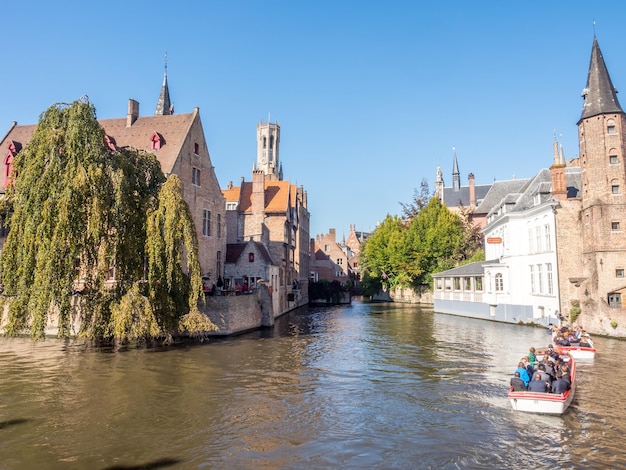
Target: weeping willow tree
[(80, 214)]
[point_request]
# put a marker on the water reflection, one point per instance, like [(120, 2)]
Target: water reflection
[(365, 386)]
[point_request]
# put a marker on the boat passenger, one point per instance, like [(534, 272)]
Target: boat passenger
[(538, 385), (523, 373), (560, 385), (566, 374), (532, 356), (541, 371), (517, 384)]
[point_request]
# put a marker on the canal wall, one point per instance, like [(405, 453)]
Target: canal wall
[(231, 314)]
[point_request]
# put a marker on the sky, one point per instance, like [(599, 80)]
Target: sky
[(371, 96)]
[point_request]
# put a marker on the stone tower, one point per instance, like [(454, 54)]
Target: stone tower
[(602, 137), (268, 146)]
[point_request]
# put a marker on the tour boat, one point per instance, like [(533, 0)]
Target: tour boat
[(576, 350), (546, 403)]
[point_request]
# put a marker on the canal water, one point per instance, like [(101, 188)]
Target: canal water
[(364, 386)]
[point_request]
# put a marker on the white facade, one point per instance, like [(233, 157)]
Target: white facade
[(520, 282), (526, 274)]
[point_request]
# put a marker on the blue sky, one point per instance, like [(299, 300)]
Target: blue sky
[(371, 96)]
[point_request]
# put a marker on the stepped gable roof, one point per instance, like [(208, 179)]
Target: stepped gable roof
[(173, 128), (277, 196), (497, 192), (235, 250), (471, 269), (461, 197), (600, 96)]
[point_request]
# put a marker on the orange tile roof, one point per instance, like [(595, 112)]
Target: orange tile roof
[(277, 196)]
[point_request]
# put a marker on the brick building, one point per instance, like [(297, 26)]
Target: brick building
[(178, 142), (273, 212)]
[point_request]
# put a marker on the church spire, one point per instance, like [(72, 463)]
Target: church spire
[(600, 95), (456, 175), (164, 106)]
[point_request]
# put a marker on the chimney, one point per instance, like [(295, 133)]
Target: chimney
[(133, 112), (472, 192), (332, 234)]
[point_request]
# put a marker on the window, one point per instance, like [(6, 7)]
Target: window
[(546, 231), (532, 279), (619, 272), (610, 126), (614, 187), (218, 264), (549, 278), (155, 141), (538, 237), (264, 142), (271, 142), (438, 283), (468, 283), (219, 225), (196, 148), (206, 223), (614, 225), (540, 278), (613, 159), (478, 282), (326, 248), (530, 240), (499, 282), (615, 300), (195, 176), (250, 257), (339, 261), (231, 206), (457, 283)]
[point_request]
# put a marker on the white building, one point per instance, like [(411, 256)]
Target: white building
[(520, 282)]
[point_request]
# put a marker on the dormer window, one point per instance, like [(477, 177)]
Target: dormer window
[(110, 141), (156, 140), (12, 151)]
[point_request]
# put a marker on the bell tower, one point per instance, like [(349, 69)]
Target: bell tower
[(268, 146)]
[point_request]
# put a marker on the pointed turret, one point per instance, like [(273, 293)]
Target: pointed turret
[(600, 95), (164, 106)]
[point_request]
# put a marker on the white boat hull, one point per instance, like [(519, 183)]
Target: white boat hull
[(579, 352), (544, 403)]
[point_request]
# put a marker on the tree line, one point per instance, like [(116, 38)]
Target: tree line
[(429, 238)]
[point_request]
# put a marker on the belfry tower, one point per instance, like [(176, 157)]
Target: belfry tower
[(268, 146), (602, 137)]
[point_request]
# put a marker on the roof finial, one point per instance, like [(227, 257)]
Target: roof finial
[(165, 61), (594, 28)]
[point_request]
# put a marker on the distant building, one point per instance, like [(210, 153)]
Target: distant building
[(337, 261), (271, 212)]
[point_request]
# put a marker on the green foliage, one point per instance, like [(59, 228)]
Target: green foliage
[(434, 240), (76, 210), (574, 310)]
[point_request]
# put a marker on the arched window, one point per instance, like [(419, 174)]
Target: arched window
[(614, 187), (264, 142), (613, 156), (610, 126), (271, 142)]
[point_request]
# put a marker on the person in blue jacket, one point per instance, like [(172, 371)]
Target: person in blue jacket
[(523, 373)]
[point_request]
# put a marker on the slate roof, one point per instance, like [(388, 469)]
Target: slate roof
[(235, 250), (600, 95), (461, 197), (497, 192), (471, 269)]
